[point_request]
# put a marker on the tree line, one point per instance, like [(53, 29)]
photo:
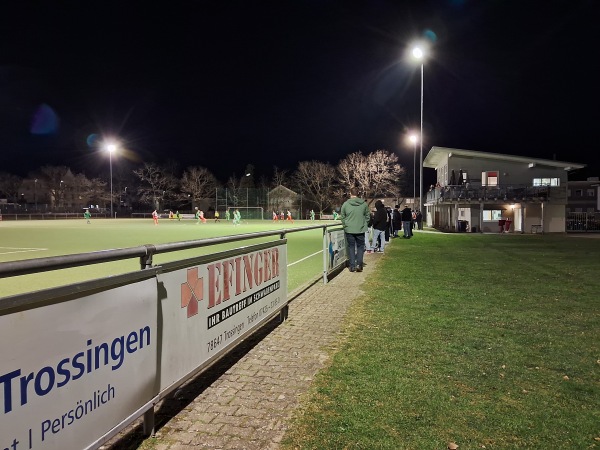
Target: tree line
[(323, 186)]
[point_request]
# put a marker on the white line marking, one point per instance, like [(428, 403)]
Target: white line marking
[(306, 257), (21, 250)]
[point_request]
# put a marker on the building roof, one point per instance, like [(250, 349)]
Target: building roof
[(438, 154)]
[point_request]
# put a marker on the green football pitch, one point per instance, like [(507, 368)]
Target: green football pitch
[(21, 240)]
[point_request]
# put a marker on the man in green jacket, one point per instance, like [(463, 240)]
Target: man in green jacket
[(355, 216)]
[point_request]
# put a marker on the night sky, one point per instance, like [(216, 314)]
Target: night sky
[(223, 84)]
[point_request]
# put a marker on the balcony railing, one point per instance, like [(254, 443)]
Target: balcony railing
[(503, 193)]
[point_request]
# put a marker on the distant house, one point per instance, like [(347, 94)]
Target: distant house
[(476, 190), (281, 198), (583, 205), (582, 196)]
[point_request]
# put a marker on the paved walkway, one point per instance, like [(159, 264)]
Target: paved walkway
[(246, 401)]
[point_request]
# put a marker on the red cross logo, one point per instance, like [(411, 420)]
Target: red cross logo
[(192, 292)]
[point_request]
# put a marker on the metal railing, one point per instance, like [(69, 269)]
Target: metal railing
[(582, 222), (144, 252), (40, 299), (513, 193)]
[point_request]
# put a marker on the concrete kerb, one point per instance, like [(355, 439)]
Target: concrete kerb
[(246, 400)]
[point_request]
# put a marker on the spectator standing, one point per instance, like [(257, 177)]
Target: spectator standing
[(389, 230), (354, 217), (419, 220), (396, 220), (380, 223), (368, 234), (406, 221)]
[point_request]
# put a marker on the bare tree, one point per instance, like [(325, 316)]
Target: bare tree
[(88, 191), (235, 191), (157, 184), (197, 183), (279, 176), (53, 177), (375, 175), (316, 181), (9, 186)]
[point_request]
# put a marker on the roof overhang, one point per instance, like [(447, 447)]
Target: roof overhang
[(437, 155)]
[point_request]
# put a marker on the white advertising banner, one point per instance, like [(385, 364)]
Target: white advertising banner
[(337, 248), (206, 308), (71, 371)]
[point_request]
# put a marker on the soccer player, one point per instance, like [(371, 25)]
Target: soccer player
[(275, 218), (227, 216), (237, 217), (202, 217), (312, 215), (217, 217), (289, 216), (197, 216), (155, 217), (87, 215)]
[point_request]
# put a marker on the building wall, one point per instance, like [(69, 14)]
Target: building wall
[(508, 172)]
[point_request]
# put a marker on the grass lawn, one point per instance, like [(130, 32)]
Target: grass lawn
[(488, 341), (36, 239)]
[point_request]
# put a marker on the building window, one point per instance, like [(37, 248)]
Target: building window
[(489, 178), (492, 214), (578, 192), (546, 181), (590, 192), (591, 210)]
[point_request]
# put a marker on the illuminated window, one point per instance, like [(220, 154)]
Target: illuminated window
[(492, 214), (546, 181), (489, 178)]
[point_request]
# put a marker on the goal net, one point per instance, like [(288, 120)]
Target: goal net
[(247, 212)]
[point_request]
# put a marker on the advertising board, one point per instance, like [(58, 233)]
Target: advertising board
[(206, 308), (73, 369)]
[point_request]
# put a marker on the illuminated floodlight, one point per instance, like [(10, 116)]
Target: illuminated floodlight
[(111, 148)]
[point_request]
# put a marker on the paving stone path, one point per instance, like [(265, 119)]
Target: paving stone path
[(247, 399)]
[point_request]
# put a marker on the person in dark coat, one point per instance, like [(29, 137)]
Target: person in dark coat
[(419, 220), (406, 221), (396, 220), (380, 223), (389, 229)]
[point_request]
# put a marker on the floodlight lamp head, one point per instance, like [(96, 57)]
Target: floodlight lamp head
[(417, 52)]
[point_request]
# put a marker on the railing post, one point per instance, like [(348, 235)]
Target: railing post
[(146, 260), (149, 422)]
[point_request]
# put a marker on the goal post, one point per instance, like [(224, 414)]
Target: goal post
[(248, 212)]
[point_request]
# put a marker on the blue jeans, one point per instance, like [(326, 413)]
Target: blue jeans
[(355, 249), (406, 226), (376, 234)]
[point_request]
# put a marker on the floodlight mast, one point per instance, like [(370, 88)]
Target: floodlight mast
[(413, 138), (111, 148), (418, 54)]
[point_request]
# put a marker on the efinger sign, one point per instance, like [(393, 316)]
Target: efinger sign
[(214, 305)]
